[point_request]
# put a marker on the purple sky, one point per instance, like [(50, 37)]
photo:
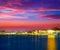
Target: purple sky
[(31, 12)]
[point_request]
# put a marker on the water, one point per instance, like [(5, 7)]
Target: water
[(25, 42)]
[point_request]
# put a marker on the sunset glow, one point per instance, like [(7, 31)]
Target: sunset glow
[(38, 14)]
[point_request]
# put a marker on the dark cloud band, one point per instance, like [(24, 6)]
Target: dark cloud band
[(53, 16), (31, 4)]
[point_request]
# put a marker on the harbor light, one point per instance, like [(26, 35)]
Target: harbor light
[(50, 32)]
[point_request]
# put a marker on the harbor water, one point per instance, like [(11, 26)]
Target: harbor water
[(26, 42)]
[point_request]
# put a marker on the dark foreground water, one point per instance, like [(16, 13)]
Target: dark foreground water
[(24, 42)]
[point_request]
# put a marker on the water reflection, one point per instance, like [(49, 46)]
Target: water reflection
[(26, 42)]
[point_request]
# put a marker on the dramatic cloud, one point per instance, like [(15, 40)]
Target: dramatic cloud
[(8, 14), (34, 13), (53, 16), (19, 14), (31, 4)]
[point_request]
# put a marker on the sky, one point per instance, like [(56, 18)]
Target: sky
[(37, 14)]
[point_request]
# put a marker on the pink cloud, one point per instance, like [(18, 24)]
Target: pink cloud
[(8, 15)]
